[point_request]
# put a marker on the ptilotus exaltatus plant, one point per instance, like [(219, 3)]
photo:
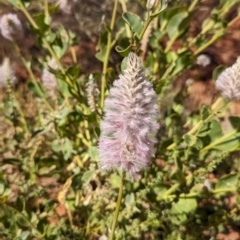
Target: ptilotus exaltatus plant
[(129, 125)]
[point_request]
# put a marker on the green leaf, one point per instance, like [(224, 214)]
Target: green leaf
[(190, 139), (180, 210), (35, 89), (24, 235), (228, 181), (102, 46), (64, 146), (177, 16), (162, 6), (40, 20), (235, 122), (124, 47), (211, 129), (87, 176), (204, 112), (60, 46), (2, 187), (73, 72), (3, 199), (93, 153), (22, 220), (217, 71), (134, 21), (184, 59), (124, 64), (130, 199), (229, 144), (216, 130), (115, 180), (14, 3)]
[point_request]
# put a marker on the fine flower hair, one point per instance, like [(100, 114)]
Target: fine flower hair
[(129, 125), (228, 82)]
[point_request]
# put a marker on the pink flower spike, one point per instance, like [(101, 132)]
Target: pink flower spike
[(228, 82), (129, 125)]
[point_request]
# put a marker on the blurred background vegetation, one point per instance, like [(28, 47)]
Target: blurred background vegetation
[(50, 183)]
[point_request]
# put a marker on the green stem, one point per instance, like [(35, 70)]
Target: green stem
[(107, 54), (124, 8), (218, 141), (210, 42), (149, 19), (168, 192), (114, 223), (215, 108), (198, 194), (46, 11)]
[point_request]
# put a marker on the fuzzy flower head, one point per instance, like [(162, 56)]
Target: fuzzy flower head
[(129, 126), (48, 78), (11, 27), (228, 82), (203, 60), (7, 74)]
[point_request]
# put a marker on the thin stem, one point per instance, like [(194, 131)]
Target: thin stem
[(124, 8), (107, 54), (114, 223), (46, 11), (218, 141), (149, 19), (169, 191), (199, 194), (215, 108)]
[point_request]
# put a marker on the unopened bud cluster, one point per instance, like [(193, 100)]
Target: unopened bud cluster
[(129, 126), (92, 93)]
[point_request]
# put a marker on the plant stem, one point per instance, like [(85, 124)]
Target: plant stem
[(215, 108), (168, 192), (124, 8), (145, 27), (114, 223), (218, 141), (107, 54)]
